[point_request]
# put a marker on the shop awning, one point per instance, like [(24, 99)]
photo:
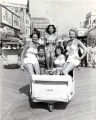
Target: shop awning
[(14, 39)]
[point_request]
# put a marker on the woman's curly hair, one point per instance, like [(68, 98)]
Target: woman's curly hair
[(59, 47), (41, 47), (47, 29), (36, 34)]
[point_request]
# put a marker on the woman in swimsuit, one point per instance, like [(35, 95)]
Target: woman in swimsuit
[(50, 43), (59, 60), (29, 57), (73, 59)]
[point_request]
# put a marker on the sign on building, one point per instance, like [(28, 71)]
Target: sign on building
[(8, 18), (16, 21), (82, 32)]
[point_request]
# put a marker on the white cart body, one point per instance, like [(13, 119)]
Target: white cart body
[(52, 88)]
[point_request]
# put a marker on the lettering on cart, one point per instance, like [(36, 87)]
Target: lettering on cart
[(49, 90)]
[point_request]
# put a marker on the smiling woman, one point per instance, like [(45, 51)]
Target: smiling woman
[(73, 59)]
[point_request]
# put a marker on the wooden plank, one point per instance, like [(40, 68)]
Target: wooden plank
[(15, 104)]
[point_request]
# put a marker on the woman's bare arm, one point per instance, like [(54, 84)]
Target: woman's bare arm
[(80, 44), (24, 50)]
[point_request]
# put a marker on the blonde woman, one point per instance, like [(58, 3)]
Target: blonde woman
[(73, 59)]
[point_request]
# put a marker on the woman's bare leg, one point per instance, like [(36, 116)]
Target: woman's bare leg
[(64, 66), (42, 71), (30, 70), (69, 67), (58, 71), (47, 60), (52, 59), (37, 68)]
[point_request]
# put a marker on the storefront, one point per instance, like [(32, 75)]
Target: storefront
[(82, 35), (9, 36), (9, 22)]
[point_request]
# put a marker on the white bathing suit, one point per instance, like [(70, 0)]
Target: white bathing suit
[(72, 53), (59, 61), (31, 56)]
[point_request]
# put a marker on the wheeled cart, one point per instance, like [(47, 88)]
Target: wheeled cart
[(51, 89), (10, 56)]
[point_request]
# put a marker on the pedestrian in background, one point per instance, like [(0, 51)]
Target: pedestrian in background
[(93, 55), (89, 55)]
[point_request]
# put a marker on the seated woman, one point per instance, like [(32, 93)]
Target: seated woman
[(73, 59), (59, 60), (29, 57), (41, 59)]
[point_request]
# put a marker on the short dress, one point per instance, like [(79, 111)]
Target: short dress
[(30, 57), (50, 42), (60, 60), (72, 54)]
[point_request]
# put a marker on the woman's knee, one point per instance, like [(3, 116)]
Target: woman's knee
[(68, 68), (52, 55), (65, 72), (47, 56)]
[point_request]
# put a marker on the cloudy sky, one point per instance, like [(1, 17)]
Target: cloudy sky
[(65, 14)]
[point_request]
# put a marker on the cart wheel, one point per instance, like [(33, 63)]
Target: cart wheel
[(50, 106)]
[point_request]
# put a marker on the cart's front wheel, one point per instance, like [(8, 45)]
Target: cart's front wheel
[(50, 107)]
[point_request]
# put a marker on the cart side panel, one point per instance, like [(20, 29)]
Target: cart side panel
[(48, 90), (52, 88)]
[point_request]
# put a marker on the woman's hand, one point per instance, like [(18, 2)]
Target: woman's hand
[(77, 57)]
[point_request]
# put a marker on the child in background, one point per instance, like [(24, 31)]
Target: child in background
[(59, 60), (41, 59)]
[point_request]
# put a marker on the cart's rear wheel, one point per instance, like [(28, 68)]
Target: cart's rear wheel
[(50, 107)]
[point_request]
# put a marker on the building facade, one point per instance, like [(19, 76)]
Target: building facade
[(9, 21), (40, 24), (21, 11), (90, 24), (90, 20)]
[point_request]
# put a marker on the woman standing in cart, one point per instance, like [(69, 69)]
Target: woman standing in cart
[(29, 56), (73, 59), (50, 43)]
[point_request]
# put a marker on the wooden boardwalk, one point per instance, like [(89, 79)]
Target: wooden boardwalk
[(15, 103)]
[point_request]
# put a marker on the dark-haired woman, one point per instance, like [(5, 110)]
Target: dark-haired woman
[(73, 46), (50, 43), (59, 60), (29, 57)]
